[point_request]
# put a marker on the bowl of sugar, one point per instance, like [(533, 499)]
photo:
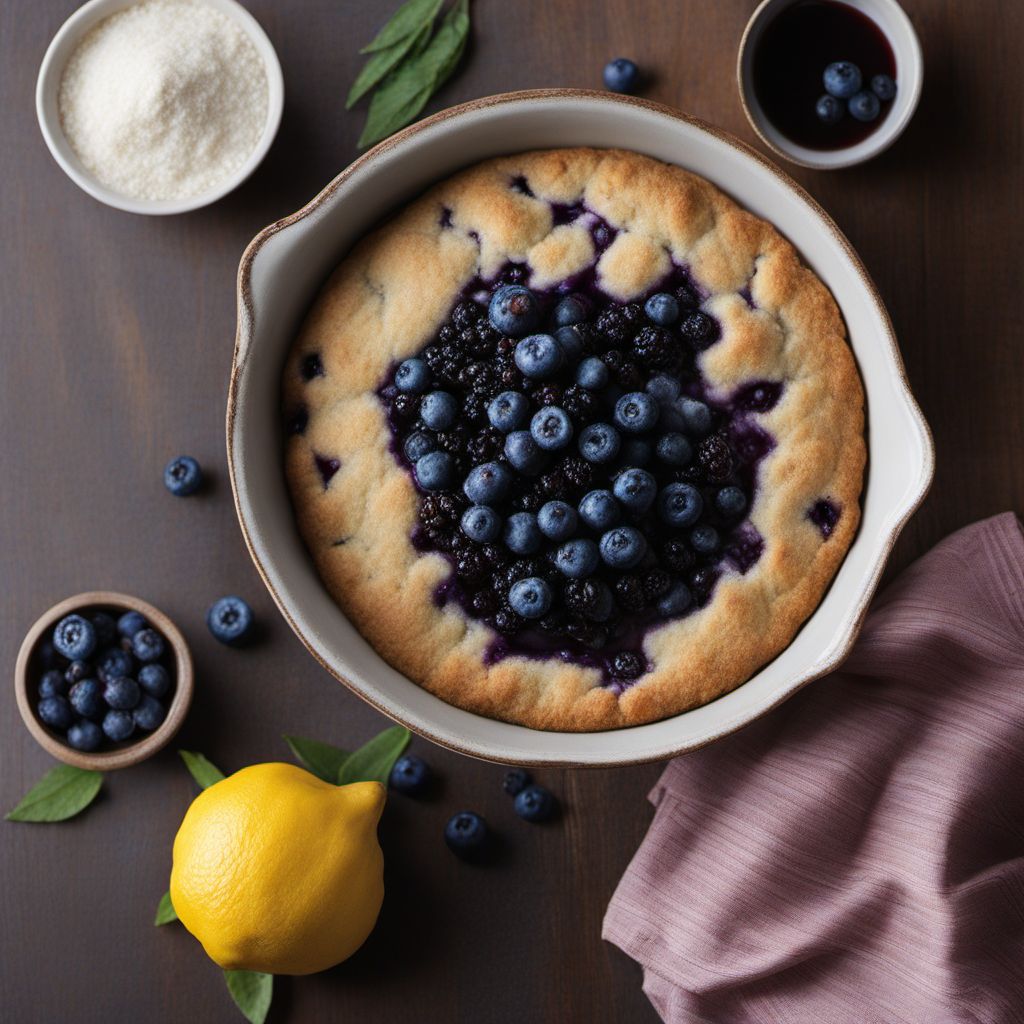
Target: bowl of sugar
[(159, 106)]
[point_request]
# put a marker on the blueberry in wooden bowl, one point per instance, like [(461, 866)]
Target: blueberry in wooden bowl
[(103, 680)]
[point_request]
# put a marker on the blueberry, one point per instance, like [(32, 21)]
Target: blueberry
[(599, 442), (680, 505), (674, 450), (53, 684), (535, 803), (662, 389), (508, 411), (551, 428), (487, 483), (515, 781), (467, 835), (539, 356), (592, 374), (635, 453), (704, 539), (623, 548), (590, 598), (78, 670), (621, 75), (439, 410), (522, 534), (149, 714), (599, 509), (730, 501), (118, 725), (85, 735), (56, 712), (182, 476), (74, 637), (417, 445), (412, 375), (87, 698), (130, 623), (530, 598), (514, 310), (699, 330), (663, 309), (676, 601), (636, 490), (410, 775), (106, 628), (114, 662), (435, 471), (577, 558), (883, 87), (636, 412), (154, 679), (864, 106), (842, 79), (148, 645), (523, 453), (696, 415), (573, 309), (481, 524), (570, 340), (557, 520), (122, 693), (829, 109), (230, 619)]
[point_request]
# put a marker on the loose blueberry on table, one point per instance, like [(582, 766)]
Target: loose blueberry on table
[(583, 485), (230, 620), (103, 679), (411, 775), (183, 476), (467, 835)]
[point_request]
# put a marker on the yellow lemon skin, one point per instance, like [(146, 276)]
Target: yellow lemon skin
[(275, 870)]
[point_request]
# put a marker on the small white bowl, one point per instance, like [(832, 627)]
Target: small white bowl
[(286, 264), (896, 27), (51, 70)]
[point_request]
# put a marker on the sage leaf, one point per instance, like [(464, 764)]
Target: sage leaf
[(373, 761), (202, 771), (405, 22), (60, 794), (323, 760), (384, 61), (405, 92), (165, 912), (252, 992)]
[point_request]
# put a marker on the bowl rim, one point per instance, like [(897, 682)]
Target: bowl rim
[(846, 156), (133, 753), (243, 337), (78, 23)]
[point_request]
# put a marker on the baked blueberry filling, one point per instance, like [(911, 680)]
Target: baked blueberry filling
[(587, 487), (825, 516)]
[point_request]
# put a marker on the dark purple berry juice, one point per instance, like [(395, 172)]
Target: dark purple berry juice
[(791, 56)]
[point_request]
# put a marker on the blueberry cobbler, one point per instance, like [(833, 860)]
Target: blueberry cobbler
[(574, 440)]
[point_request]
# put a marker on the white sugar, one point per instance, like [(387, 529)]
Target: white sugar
[(164, 100)]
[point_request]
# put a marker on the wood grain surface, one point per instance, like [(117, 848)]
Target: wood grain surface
[(116, 335)]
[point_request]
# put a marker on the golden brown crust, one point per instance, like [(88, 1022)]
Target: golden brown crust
[(389, 297)]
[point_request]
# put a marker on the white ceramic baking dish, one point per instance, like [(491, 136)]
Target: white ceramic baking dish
[(286, 264)]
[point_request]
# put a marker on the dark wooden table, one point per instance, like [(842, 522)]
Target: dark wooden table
[(116, 341)]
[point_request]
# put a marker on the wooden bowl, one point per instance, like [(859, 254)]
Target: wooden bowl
[(26, 670)]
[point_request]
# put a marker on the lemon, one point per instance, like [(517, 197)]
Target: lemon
[(275, 870)]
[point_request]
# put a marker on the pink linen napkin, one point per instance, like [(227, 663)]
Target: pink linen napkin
[(857, 855)]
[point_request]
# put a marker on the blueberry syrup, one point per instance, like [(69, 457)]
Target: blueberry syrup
[(825, 516)]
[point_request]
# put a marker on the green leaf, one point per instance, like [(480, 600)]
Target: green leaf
[(252, 992), (323, 760), (373, 761), (60, 794), (405, 92), (203, 772), (384, 61), (405, 22), (165, 912)]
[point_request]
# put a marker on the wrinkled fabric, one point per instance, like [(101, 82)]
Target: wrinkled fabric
[(857, 855)]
